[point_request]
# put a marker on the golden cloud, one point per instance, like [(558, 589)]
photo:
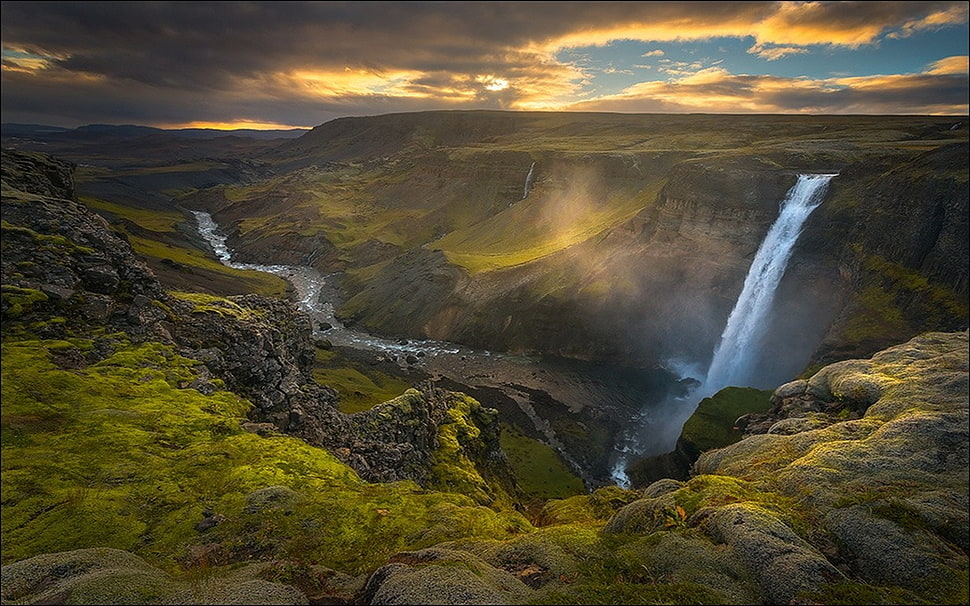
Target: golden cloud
[(777, 52), (28, 61), (336, 83), (787, 25), (951, 16), (714, 90), (237, 124), (950, 65)]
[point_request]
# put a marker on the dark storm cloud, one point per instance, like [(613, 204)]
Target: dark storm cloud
[(190, 43)]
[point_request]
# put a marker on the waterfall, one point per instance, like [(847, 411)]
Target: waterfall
[(739, 342), (528, 181)]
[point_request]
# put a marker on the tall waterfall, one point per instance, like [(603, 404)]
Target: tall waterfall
[(528, 181), (739, 342)]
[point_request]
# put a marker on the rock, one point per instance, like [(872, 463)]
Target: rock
[(785, 564), (442, 576), (888, 488), (662, 487), (675, 464), (645, 515), (112, 576), (798, 424), (271, 497), (881, 551), (790, 390), (210, 519)]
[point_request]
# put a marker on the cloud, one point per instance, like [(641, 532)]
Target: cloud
[(776, 52), (950, 65), (715, 90), (304, 63), (941, 17)]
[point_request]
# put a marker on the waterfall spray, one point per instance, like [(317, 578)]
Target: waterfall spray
[(731, 364)]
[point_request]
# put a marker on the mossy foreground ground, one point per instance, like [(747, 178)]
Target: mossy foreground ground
[(169, 501)]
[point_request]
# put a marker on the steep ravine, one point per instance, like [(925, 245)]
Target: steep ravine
[(659, 286), (576, 407)]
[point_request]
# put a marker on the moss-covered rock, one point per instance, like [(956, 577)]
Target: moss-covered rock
[(442, 576), (885, 491), (110, 576)]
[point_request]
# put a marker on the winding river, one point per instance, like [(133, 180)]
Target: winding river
[(554, 400)]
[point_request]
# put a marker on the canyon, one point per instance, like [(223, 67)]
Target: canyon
[(167, 446), (609, 248)]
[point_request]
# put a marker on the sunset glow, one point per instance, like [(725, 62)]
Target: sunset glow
[(300, 65)]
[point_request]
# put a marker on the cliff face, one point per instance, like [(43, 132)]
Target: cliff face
[(670, 273), (880, 260), (896, 234)]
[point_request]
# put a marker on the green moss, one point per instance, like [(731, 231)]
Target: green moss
[(596, 507), (621, 591), (205, 303), (119, 454), (18, 301), (53, 242), (539, 470), (621, 569), (359, 386), (851, 592), (712, 424), (152, 220), (453, 467), (714, 490)]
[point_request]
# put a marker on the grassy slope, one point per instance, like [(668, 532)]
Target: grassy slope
[(154, 235), (712, 424), (359, 386)]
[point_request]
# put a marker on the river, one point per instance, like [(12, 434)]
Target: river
[(579, 408)]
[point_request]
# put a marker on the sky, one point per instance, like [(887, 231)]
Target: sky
[(300, 64)]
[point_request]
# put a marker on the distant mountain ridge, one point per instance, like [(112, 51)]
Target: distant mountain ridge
[(131, 131)]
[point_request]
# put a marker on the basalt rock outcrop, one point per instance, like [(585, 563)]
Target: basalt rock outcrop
[(895, 234)]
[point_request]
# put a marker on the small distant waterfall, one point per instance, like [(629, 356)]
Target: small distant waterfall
[(528, 181), (739, 342)]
